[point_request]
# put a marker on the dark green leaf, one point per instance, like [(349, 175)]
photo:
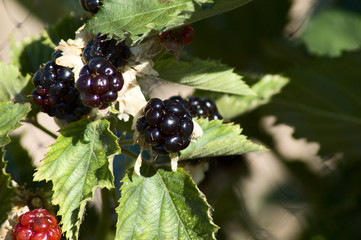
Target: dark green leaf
[(6, 192), (202, 74), (323, 103), (167, 205), (65, 29)]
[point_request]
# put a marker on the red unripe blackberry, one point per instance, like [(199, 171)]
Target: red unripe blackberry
[(37, 225), (188, 34)]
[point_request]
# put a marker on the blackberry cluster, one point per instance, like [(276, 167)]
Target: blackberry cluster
[(201, 108), (55, 92), (166, 125), (117, 53), (90, 5), (37, 225), (99, 80), (99, 83)]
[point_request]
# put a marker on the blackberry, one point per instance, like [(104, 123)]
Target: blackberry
[(90, 5), (166, 125), (55, 92), (35, 225), (117, 53), (99, 83), (201, 108)]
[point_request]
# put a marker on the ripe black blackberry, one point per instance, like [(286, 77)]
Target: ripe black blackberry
[(115, 52), (55, 92), (166, 125), (99, 83), (201, 108), (90, 5)]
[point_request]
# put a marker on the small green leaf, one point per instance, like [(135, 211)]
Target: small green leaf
[(167, 205), (31, 53), (11, 114), (139, 17), (231, 106), (332, 31), (202, 74), (77, 164), (219, 139), (142, 18), (11, 82), (6, 192)]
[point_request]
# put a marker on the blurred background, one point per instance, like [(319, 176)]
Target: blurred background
[(308, 186)]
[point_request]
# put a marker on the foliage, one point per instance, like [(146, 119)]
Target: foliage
[(310, 83)]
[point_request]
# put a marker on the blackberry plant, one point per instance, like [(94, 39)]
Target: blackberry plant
[(106, 83)]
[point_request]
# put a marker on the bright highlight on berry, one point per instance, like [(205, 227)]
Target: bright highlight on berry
[(37, 225)]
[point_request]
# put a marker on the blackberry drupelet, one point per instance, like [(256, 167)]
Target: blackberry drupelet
[(99, 83), (166, 126), (55, 92)]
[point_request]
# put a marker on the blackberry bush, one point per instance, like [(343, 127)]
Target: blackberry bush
[(166, 125), (55, 92), (38, 224)]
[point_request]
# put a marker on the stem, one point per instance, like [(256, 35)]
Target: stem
[(36, 124), (126, 142), (104, 221), (129, 153)]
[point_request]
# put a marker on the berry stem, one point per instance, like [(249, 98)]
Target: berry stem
[(36, 124), (129, 153), (105, 218), (126, 142)]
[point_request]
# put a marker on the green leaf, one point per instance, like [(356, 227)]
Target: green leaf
[(11, 83), (65, 29), (219, 139), (332, 31), (77, 164), (31, 53), (231, 106), (167, 205), (11, 114), (142, 18), (323, 103), (139, 17), (6, 192), (202, 74)]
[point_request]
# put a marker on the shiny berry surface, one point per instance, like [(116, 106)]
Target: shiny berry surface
[(37, 225), (166, 125)]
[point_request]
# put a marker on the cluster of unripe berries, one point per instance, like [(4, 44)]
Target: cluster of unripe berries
[(166, 125), (97, 85), (55, 91), (38, 224)]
